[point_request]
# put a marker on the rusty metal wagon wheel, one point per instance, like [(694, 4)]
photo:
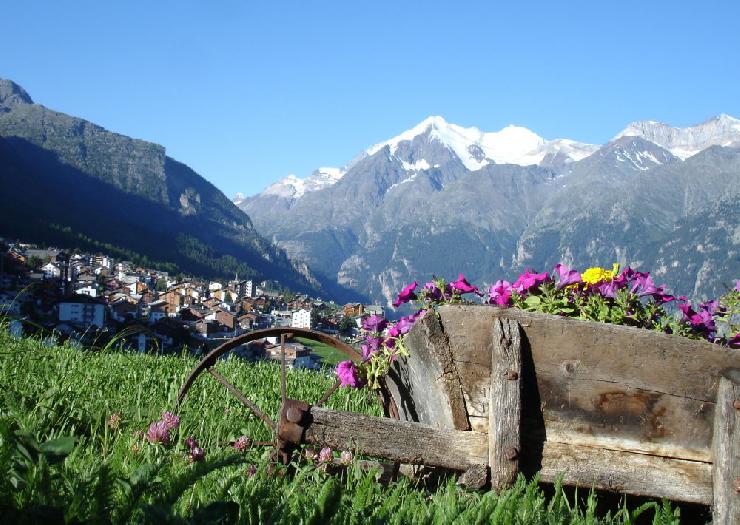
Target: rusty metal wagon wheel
[(294, 415)]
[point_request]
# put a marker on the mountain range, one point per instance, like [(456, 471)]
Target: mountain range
[(72, 183), (442, 199)]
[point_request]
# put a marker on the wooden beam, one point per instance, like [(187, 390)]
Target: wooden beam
[(626, 472), (726, 451), (505, 404), (403, 441)]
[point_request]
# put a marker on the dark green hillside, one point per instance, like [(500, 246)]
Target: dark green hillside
[(69, 182)]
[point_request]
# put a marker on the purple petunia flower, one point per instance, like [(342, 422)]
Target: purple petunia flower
[(370, 346), (349, 375), (608, 289), (566, 276), (528, 280), (431, 292), (158, 433), (462, 286), (734, 341), (500, 293), (737, 285), (171, 420), (406, 295), (374, 323), (403, 326), (701, 321)]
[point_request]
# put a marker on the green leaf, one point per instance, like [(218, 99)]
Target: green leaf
[(55, 450)]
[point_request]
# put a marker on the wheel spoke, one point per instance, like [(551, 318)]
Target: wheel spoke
[(326, 395), (243, 399)]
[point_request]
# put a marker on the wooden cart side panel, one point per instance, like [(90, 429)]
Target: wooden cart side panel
[(601, 385), (426, 386)]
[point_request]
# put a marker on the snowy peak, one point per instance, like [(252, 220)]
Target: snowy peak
[(292, 187), (635, 153), (476, 148), (722, 130)]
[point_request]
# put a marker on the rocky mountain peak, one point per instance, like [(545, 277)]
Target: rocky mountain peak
[(722, 130), (11, 94)]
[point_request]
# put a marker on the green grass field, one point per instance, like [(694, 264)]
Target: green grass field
[(330, 356), (62, 462)]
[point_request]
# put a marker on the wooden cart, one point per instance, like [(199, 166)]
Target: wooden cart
[(491, 392)]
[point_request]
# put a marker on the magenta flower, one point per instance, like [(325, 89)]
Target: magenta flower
[(171, 420), (404, 324), (566, 276), (462, 285), (370, 346), (528, 280), (701, 321), (737, 285), (608, 289), (374, 323), (406, 295), (241, 444), (349, 375), (191, 442), (158, 433), (196, 454), (326, 456), (252, 470), (431, 292), (734, 341), (500, 293)]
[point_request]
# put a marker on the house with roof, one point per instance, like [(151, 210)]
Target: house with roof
[(82, 310)]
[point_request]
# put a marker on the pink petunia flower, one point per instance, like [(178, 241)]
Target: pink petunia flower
[(349, 375), (528, 280), (462, 286), (406, 295), (500, 293)]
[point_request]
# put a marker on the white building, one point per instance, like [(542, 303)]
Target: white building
[(249, 289), (90, 291), (82, 309), (301, 319), (51, 271), (214, 286)]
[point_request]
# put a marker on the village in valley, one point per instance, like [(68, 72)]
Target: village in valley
[(93, 300)]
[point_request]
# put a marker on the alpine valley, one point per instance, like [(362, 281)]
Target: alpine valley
[(441, 199), (73, 184)]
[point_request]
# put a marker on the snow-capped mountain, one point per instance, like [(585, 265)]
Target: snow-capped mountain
[(476, 148), (722, 130), (441, 199), (292, 187)]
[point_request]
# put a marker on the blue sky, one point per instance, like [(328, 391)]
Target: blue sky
[(249, 92)]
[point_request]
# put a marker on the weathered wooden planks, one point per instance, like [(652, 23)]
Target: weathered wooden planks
[(505, 402), (595, 384), (617, 471), (726, 451), (613, 407), (426, 386), (403, 441)]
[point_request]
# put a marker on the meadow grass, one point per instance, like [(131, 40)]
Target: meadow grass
[(62, 462)]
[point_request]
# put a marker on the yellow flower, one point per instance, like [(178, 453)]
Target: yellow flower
[(597, 275)]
